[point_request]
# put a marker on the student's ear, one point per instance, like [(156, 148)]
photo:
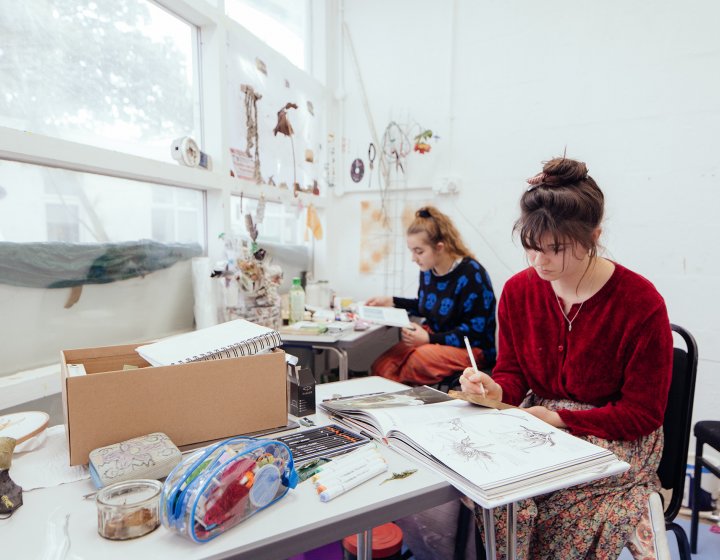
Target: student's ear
[(596, 234), (439, 247)]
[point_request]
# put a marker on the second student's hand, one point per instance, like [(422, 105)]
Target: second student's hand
[(414, 335), (380, 301), (479, 383)]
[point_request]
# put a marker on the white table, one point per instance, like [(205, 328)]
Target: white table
[(58, 517), (339, 344), (53, 518)]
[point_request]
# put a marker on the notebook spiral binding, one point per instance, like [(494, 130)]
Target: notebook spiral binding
[(245, 348)]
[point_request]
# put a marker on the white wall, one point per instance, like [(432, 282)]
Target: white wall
[(632, 88)]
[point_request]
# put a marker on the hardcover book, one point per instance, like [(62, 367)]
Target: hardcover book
[(492, 456)]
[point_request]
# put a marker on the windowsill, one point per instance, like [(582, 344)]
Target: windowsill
[(29, 385)]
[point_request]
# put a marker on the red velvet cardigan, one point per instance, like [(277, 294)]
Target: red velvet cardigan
[(618, 356)]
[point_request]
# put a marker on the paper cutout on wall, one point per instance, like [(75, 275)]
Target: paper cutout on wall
[(313, 224), (382, 232), (374, 241)]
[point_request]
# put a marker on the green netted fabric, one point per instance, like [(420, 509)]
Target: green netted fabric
[(63, 265)]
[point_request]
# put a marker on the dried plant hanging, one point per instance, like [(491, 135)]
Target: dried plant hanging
[(251, 122), (284, 127), (422, 145)]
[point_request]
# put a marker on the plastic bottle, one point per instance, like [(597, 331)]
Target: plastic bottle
[(297, 301)]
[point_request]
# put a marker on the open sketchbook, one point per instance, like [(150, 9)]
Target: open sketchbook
[(226, 340), (390, 316), (492, 456)]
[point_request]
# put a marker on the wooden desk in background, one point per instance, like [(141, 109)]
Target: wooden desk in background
[(339, 344)]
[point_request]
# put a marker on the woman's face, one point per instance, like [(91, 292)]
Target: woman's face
[(423, 253), (565, 260)]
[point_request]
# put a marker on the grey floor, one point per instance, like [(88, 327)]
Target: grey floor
[(708, 543)]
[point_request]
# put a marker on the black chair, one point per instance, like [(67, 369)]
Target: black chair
[(676, 425), (707, 432), (452, 381)]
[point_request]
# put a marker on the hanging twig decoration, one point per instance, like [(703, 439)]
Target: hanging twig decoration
[(251, 120), (283, 126)]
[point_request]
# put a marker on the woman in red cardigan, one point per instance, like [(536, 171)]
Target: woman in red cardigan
[(584, 344)]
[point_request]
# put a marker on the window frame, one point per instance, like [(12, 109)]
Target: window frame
[(211, 30)]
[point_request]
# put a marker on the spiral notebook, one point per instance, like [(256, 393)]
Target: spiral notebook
[(226, 340)]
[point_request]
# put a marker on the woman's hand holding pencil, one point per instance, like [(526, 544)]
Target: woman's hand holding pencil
[(475, 381)]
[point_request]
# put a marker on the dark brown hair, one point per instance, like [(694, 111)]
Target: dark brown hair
[(438, 228), (562, 201)]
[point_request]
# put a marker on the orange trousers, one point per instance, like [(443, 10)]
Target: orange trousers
[(423, 365)]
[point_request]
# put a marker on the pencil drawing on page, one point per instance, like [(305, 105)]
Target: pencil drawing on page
[(466, 442)]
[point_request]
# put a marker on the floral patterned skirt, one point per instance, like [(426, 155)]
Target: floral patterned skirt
[(592, 520)]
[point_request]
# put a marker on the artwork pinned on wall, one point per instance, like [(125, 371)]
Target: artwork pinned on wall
[(374, 237), (259, 86), (382, 233), (252, 149)]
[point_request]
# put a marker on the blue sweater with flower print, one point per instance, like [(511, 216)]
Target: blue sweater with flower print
[(460, 303)]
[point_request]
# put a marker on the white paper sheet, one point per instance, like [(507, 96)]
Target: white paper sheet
[(48, 465)]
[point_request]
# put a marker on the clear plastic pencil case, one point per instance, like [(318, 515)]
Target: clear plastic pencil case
[(220, 486)]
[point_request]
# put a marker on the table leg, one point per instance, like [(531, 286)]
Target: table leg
[(342, 359), (364, 545), (511, 530), (489, 525)]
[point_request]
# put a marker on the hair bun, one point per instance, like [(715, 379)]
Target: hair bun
[(559, 172)]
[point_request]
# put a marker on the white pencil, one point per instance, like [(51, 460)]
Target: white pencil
[(472, 361)]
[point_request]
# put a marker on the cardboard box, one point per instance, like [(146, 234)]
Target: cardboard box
[(191, 403)]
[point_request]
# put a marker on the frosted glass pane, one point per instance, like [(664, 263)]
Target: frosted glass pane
[(282, 222), (282, 24), (48, 204), (111, 73)]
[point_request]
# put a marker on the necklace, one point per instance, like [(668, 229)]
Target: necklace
[(568, 319)]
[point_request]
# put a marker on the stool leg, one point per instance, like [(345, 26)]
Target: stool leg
[(695, 497)]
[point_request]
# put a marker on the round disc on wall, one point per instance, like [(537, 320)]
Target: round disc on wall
[(357, 170)]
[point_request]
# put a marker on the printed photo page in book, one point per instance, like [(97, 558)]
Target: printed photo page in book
[(380, 412), (226, 340)]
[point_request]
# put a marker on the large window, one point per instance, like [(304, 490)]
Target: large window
[(282, 24), (111, 73), (90, 260), (48, 204)]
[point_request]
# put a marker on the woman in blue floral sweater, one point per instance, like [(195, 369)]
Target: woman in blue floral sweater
[(456, 299)]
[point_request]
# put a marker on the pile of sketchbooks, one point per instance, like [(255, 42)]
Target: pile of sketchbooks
[(493, 456)]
